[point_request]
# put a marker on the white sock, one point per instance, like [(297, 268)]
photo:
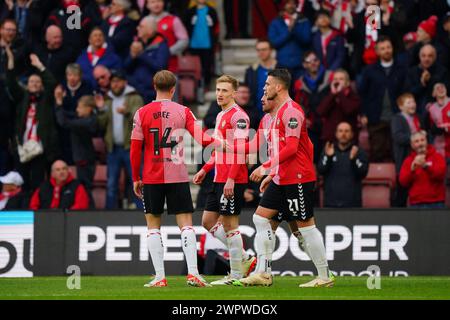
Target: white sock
[(274, 240), (300, 239), (264, 239), (189, 244), (219, 233), (155, 246), (234, 244), (316, 248)]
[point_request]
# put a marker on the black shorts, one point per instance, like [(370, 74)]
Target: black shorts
[(216, 201), (178, 197), (295, 201), (284, 216)]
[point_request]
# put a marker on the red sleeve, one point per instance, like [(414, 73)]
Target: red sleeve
[(236, 167), (287, 152), (209, 165), (406, 175), (135, 159), (35, 202), (81, 201), (254, 145), (196, 130)]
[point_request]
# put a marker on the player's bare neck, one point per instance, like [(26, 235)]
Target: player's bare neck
[(163, 96), (281, 99), (228, 105)]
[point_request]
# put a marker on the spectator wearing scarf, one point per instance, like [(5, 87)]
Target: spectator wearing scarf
[(97, 53), (119, 28)]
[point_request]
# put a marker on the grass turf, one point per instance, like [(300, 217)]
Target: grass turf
[(284, 288)]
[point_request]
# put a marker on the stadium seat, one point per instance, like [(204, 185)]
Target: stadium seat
[(190, 65), (379, 185), (447, 195), (100, 149), (187, 90), (381, 173), (73, 171), (99, 195), (100, 176), (189, 77), (376, 196), (363, 140)]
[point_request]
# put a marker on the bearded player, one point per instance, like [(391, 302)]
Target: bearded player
[(159, 127), (289, 185), (224, 202)]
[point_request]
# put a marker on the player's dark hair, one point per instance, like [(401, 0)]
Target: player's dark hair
[(164, 80), (282, 75)]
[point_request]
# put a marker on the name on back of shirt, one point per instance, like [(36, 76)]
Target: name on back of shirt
[(163, 114)]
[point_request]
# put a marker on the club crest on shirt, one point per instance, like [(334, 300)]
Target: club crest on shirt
[(293, 123), (164, 26), (223, 124), (241, 124)]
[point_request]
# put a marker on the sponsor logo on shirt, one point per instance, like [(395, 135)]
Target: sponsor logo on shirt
[(241, 124), (293, 123)]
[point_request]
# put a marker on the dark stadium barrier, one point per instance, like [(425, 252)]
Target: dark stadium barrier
[(399, 242)]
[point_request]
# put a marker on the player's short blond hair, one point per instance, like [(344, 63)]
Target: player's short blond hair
[(228, 79), (164, 80)]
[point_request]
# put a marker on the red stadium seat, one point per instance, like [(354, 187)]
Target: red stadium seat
[(447, 197), (378, 185), (100, 149), (376, 196), (189, 77), (99, 195), (363, 140), (100, 176), (187, 89), (73, 171), (381, 173), (190, 65)]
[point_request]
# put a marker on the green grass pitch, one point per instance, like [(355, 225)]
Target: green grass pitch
[(284, 288)]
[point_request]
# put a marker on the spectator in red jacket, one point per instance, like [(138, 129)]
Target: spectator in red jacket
[(62, 191), (341, 104), (423, 173)]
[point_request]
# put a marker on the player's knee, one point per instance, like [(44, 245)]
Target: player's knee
[(260, 221), (208, 223)]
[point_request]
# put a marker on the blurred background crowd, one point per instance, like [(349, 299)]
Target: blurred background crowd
[(373, 84)]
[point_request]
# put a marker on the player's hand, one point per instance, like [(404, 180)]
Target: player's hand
[(228, 189), (199, 177), (265, 183), (258, 174), (137, 188)]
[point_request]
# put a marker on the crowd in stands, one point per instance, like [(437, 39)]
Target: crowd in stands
[(65, 90)]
